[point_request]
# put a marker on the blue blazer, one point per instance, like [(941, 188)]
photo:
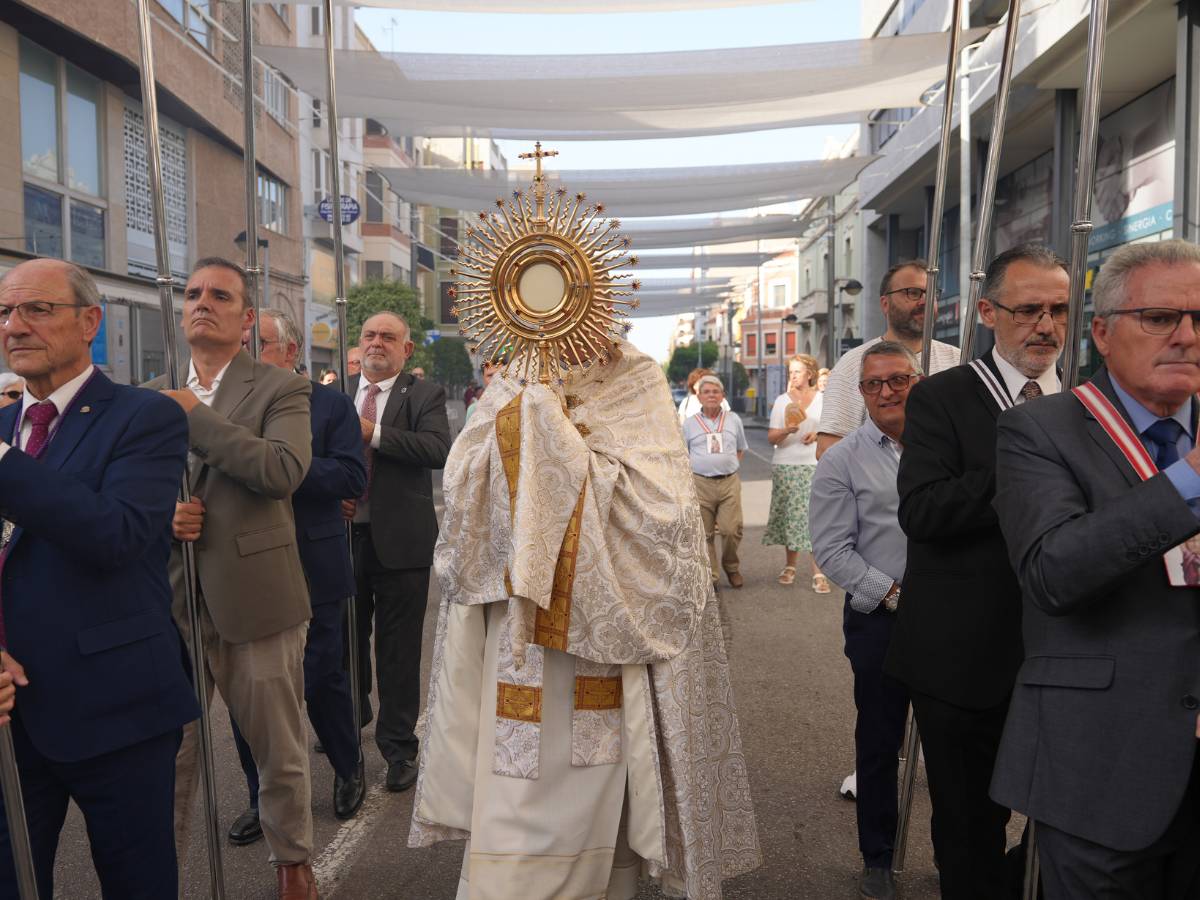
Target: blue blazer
[(86, 600), (338, 472)]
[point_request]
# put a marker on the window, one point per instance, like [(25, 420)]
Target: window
[(770, 341), (61, 158), (320, 164), (194, 16), (399, 273), (751, 345), (275, 95), (316, 113), (139, 218), (374, 270), (448, 225), (808, 280), (272, 203), (447, 301), (789, 343), (779, 296), (316, 23), (849, 256), (374, 197)]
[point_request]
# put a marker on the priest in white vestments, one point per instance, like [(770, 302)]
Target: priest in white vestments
[(581, 726)]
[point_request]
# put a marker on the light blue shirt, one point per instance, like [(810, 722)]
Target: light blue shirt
[(1180, 473), (853, 516), (733, 441)]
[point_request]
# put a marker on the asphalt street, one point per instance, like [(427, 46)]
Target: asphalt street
[(793, 691)]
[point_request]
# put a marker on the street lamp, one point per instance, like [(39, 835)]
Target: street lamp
[(265, 246)]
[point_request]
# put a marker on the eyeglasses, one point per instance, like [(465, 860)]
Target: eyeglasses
[(12, 395), (263, 343), (1032, 315), (1160, 320), (33, 311), (912, 293), (897, 383)]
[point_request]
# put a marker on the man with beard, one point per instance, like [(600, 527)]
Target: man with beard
[(957, 639), (902, 299)]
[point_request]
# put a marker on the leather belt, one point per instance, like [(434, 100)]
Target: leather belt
[(726, 475)]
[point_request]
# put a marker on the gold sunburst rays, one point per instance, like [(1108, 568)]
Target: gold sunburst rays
[(539, 282)]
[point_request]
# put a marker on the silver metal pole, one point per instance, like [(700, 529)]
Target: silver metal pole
[(1081, 229), (1032, 866), (14, 812), (339, 253), (831, 284), (987, 190), (912, 755), (760, 376), (266, 270), (939, 184), (965, 164), (166, 299), (251, 166)]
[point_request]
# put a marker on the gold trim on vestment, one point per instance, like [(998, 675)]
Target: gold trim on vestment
[(508, 436), (551, 625), (521, 702), (597, 693)]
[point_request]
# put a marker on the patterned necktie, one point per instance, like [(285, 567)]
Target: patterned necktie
[(40, 415), (368, 413), (1165, 434), (1031, 391)]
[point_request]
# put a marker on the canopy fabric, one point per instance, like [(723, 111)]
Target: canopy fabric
[(702, 260), (638, 192), (659, 285), (625, 96), (548, 7), (662, 234)]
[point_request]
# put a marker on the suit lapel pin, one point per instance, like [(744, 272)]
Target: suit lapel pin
[(404, 390), (85, 409)]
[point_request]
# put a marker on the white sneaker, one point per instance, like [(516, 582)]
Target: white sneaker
[(849, 788)]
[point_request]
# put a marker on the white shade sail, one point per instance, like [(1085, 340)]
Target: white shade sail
[(548, 7), (661, 234), (702, 260), (625, 96), (638, 192), (663, 285)]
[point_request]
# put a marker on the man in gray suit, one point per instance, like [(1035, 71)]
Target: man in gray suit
[(1100, 746), (251, 445)]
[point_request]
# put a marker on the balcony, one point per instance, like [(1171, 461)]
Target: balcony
[(812, 306)]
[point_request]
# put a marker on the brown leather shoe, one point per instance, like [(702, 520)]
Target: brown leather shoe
[(296, 882), (735, 579)]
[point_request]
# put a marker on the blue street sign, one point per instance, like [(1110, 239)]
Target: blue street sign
[(350, 209)]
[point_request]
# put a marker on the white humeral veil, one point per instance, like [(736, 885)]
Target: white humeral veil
[(581, 729)]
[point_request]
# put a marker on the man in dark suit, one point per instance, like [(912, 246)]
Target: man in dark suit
[(406, 435), (89, 472), (957, 638), (337, 472), (1100, 746)]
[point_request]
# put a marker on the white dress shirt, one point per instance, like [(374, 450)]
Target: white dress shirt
[(381, 399), (203, 394), (1015, 380), (61, 398)]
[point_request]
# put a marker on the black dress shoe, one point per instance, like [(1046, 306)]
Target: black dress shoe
[(348, 794), (246, 828), (402, 775)]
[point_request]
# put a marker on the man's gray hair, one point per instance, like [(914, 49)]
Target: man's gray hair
[(1111, 288), (83, 286), (709, 379), (289, 331), (889, 348)]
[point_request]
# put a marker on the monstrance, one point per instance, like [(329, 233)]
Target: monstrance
[(539, 282)]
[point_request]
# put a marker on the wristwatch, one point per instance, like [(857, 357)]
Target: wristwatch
[(892, 599)]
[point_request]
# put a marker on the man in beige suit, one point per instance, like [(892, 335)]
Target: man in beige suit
[(250, 445)]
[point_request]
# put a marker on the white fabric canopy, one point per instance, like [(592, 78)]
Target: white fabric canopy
[(657, 285), (702, 260), (638, 192), (548, 6), (625, 96), (660, 234)]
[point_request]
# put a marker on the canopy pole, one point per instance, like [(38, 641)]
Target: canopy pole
[(251, 167), (939, 184), (1081, 228), (831, 343), (14, 813), (339, 253), (166, 298), (987, 191)]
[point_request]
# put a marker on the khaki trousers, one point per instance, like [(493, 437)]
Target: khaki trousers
[(262, 683), (721, 507)]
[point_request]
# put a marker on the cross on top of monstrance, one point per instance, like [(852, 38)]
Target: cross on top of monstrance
[(539, 284), (539, 181)]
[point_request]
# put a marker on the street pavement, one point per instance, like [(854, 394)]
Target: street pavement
[(793, 689)]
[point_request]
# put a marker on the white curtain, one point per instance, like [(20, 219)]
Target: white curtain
[(625, 96)]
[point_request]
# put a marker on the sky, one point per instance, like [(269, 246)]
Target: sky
[(743, 26)]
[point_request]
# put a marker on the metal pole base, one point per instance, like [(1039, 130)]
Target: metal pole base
[(912, 752), (1032, 865), (14, 811)]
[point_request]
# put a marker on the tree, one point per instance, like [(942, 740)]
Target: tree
[(451, 364), (684, 359), (376, 296)]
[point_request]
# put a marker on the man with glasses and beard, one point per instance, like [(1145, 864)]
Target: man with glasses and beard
[(902, 299), (957, 640)]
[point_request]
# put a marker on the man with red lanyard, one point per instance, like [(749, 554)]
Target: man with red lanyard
[(1095, 490), (716, 443)]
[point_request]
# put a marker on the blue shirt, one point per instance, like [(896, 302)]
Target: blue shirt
[(853, 516), (1180, 473), (733, 441)]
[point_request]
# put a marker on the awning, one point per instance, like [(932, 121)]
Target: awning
[(547, 7), (638, 192), (701, 260), (661, 234), (625, 96)]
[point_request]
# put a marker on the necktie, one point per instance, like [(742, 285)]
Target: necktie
[(1165, 434), (1031, 391), (368, 413), (40, 415)]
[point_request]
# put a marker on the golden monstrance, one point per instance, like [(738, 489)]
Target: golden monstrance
[(539, 284)]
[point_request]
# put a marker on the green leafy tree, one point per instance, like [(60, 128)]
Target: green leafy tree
[(375, 296), (451, 363), (683, 360)]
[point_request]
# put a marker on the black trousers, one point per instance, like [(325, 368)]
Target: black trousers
[(128, 800), (326, 697), (969, 837), (882, 704), (393, 602), (1169, 869)]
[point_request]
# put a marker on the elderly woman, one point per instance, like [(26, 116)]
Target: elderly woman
[(12, 388), (793, 432)]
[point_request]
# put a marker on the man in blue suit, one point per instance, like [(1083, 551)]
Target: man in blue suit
[(89, 472), (337, 472)]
